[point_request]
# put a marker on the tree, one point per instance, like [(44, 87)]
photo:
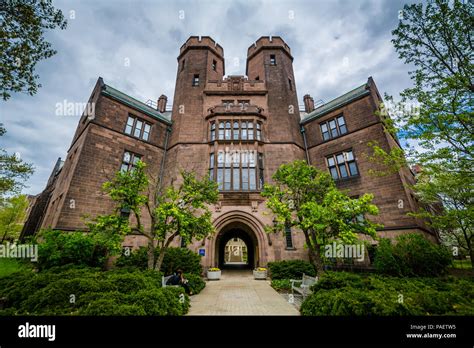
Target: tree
[(12, 214), (179, 211), (13, 171), (432, 36), (23, 44), (307, 198), (455, 220)]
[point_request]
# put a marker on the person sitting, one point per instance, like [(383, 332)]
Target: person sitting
[(178, 279)]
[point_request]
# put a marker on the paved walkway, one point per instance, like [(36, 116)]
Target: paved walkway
[(237, 293)]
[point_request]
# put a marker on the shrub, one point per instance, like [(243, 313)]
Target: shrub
[(412, 255), (57, 248), (136, 259), (337, 280), (106, 307), (281, 284), (291, 269), (175, 258), (94, 292), (385, 261), (196, 283), (349, 294), (181, 258)]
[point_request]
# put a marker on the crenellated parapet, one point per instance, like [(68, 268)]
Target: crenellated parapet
[(268, 42), (202, 42)]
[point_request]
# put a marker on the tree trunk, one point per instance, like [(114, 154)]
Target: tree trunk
[(4, 236), (151, 254), (159, 262), (317, 260), (314, 254)]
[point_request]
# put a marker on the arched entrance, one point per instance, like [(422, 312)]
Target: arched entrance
[(236, 232), (244, 226)]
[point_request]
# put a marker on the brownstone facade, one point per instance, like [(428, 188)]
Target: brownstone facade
[(238, 130)]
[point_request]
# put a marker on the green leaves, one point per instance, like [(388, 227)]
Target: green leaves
[(12, 213), (23, 46), (180, 211), (13, 171), (184, 210), (433, 37), (128, 188), (307, 198)]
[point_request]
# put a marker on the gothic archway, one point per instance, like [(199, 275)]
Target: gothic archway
[(245, 227)]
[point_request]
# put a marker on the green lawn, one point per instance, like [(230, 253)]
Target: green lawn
[(462, 264), (10, 266)]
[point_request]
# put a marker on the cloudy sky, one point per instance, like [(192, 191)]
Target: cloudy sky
[(133, 45)]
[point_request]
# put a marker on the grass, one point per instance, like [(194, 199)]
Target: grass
[(462, 264), (10, 266)]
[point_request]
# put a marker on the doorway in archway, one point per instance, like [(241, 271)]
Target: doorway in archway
[(237, 247)]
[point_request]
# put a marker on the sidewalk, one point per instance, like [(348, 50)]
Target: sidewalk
[(237, 293)]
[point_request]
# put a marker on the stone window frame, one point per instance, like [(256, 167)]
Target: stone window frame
[(227, 172), (335, 165), (133, 128), (273, 59), (288, 237), (196, 80), (248, 130), (131, 163), (340, 129)]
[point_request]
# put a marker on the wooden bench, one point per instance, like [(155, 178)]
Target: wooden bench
[(164, 280), (304, 287)]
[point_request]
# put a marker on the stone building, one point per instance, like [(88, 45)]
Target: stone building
[(238, 130)]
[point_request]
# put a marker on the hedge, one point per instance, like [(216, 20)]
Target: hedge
[(411, 255), (175, 258), (291, 269), (58, 248), (86, 291), (281, 284), (343, 293)]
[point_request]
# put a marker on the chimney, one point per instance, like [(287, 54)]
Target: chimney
[(308, 103), (161, 106)]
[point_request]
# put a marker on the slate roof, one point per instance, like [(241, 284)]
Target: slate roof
[(337, 103), (134, 103)]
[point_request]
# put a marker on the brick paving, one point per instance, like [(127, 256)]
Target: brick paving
[(237, 293)]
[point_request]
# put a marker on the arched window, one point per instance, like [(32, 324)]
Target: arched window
[(244, 131), (221, 131), (250, 130), (213, 131), (227, 130), (236, 131)]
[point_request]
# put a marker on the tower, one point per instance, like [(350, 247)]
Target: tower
[(200, 59), (270, 59)]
